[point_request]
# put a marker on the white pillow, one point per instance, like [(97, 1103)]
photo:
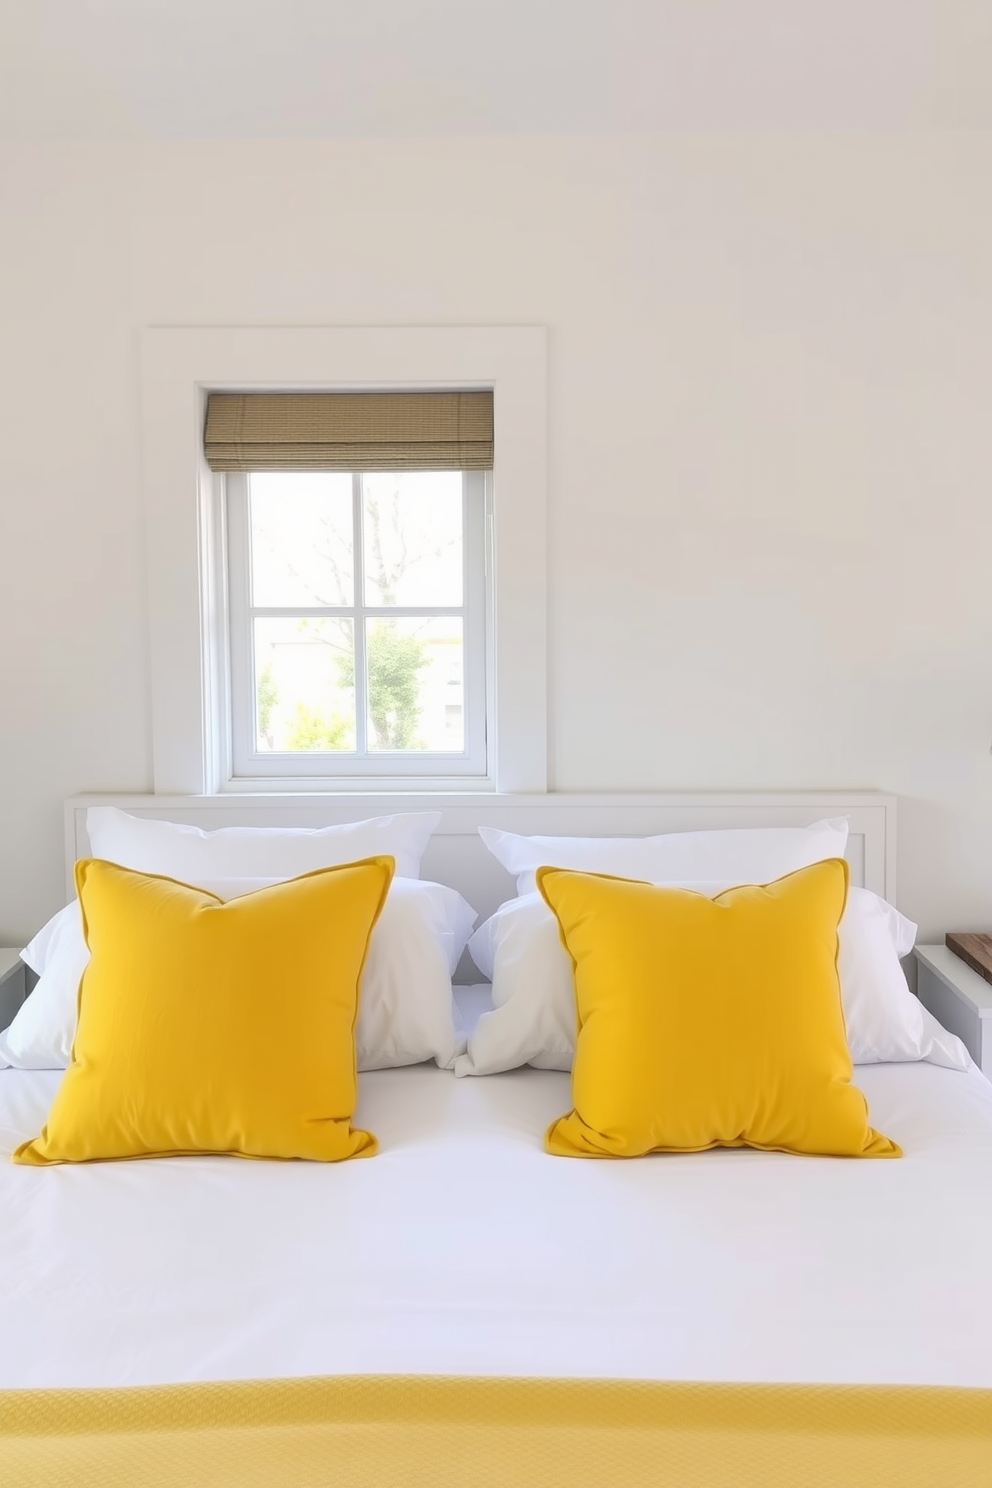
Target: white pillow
[(406, 1010), (533, 1017), (44, 1026), (39, 951), (742, 855), (194, 856)]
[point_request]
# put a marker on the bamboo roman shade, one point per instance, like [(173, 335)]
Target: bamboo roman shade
[(349, 431)]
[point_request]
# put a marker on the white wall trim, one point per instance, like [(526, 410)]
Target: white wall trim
[(179, 366), (455, 854)]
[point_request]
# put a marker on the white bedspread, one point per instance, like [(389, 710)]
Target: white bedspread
[(463, 1248)]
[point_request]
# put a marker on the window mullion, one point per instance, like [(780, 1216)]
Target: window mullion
[(361, 680), (347, 612), (474, 597), (468, 681), (240, 631)]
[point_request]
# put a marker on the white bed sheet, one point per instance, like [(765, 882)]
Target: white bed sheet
[(464, 1248)]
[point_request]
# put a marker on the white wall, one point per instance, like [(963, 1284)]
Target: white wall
[(770, 446)]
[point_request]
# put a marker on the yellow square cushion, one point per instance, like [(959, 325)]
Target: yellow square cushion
[(207, 1026), (708, 1022)]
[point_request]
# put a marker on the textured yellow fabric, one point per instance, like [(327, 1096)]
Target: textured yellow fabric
[(402, 1432), (213, 1027), (708, 1022)]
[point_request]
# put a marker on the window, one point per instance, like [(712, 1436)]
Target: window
[(357, 623), (182, 369)]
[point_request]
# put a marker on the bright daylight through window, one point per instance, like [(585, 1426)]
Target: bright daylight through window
[(357, 622)]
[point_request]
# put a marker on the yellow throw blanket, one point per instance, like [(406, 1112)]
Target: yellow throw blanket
[(435, 1432)]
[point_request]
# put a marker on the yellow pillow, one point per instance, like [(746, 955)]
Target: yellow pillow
[(708, 1022), (213, 1027)]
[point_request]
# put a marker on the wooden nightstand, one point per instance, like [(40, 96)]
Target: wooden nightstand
[(959, 998)]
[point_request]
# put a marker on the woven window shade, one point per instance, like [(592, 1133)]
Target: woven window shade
[(349, 431)]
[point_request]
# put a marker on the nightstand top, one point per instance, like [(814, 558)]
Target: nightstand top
[(10, 957), (958, 975)]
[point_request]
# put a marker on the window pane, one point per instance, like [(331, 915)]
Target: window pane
[(413, 537), (301, 538), (304, 685), (416, 685)]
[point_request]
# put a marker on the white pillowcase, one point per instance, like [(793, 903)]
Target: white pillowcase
[(39, 951), (406, 1010), (533, 1017), (741, 855), (44, 1026), (194, 856)]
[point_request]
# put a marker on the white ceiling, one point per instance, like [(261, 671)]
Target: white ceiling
[(174, 69)]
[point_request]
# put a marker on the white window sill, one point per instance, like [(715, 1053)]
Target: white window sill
[(386, 785)]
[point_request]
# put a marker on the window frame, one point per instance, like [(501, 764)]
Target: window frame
[(183, 526), (247, 764)]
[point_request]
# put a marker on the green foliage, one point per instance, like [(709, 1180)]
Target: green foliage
[(313, 729), (266, 697), (394, 663)]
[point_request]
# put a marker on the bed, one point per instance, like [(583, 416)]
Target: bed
[(467, 1309)]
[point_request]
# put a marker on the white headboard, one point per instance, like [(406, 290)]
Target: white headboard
[(456, 855)]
